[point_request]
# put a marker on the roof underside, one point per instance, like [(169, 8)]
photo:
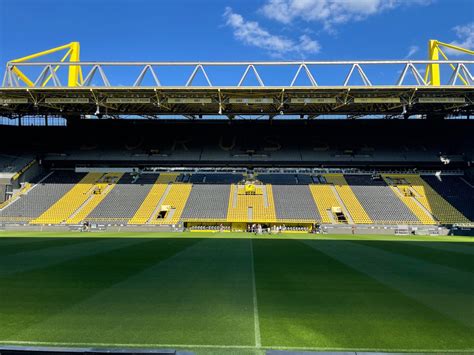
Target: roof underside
[(271, 101)]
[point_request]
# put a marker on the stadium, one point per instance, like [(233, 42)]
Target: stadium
[(284, 211)]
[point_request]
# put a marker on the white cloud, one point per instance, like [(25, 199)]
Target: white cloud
[(412, 51), (252, 34), (330, 12), (465, 34)]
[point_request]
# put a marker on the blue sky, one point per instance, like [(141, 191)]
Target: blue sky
[(218, 30)]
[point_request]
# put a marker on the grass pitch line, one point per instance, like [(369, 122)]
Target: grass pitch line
[(215, 346), (125, 345), (258, 340)]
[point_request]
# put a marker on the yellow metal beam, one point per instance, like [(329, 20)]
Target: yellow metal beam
[(23, 77), (55, 69), (433, 54), (432, 70), (457, 48), (75, 77), (74, 70), (40, 54), (452, 66)]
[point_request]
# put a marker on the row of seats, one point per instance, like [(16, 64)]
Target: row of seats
[(458, 191), (176, 198), (247, 208), (406, 194), (215, 178), (325, 200), (67, 197), (207, 202), (294, 202), (41, 196), (70, 202), (355, 209), (123, 201), (379, 201), (149, 204), (434, 203)]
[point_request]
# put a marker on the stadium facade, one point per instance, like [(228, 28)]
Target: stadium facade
[(241, 156)]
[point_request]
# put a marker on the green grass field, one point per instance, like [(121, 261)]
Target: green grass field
[(231, 293)]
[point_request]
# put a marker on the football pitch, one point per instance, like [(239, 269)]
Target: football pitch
[(235, 293)]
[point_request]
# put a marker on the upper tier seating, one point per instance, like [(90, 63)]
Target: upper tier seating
[(294, 203), (215, 178), (278, 179), (12, 164), (207, 202), (456, 191), (304, 179), (379, 201)]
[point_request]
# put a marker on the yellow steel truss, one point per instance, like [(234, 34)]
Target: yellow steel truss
[(434, 50), (75, 77)]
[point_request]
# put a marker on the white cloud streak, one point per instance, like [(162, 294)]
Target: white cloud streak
[(465, 35), (252, 34), (412, 51), (330, 12)]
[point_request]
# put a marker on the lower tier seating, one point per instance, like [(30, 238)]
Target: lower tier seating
[(65, 197), (350, 201), (41, 196), (455, 190), (207, 202), (379, 201), (441, 209), (294, 202), (251, 208), (123, 201)]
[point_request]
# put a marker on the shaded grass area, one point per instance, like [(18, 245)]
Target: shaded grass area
[(28, 298), (15, 245), (197, 293)]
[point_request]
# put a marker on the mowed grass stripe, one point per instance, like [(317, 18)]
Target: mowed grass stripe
[(56, 254), (200, 295), (461, 248), (32, 244), (309, 299), (29, 298), (445, 257), (258, 338), (444, 290)]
